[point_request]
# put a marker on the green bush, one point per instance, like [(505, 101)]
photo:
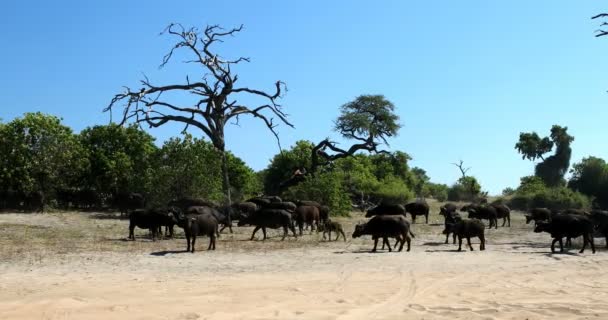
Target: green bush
[(393, 190), (532, 193), (326, 188)]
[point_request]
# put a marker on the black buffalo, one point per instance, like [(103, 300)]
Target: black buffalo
[(386, 226), (269, 218), (418, 209)]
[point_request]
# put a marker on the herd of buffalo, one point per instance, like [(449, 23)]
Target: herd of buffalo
[(199, 217)]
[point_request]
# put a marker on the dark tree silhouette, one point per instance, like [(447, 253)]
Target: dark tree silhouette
[(553, 168), (601, 32), (215, 93), (369, 119)]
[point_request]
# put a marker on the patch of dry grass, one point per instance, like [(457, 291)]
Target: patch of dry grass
[(35, 237)]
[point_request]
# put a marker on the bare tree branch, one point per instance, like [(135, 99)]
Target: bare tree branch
[(214, 106), (462, 169)]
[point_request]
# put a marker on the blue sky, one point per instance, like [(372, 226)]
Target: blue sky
[(466, 76)]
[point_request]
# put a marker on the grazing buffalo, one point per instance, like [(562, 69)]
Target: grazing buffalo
[(503, 212), (194, 225), (482, 212), (386, 209), (418, 209), (538, 214), (307, 215), (568, 225), (269, 218), (386, 226), (467, 229), (151, 219)]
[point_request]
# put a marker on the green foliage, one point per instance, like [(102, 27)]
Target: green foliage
[(38, 153), (533, 193), (437, 191), (552, 169), (508, 191), (191, 167), (590, 177), (368, 116), (120, 158), (283, 165), (393, 190), (326, 188), (465, 189)]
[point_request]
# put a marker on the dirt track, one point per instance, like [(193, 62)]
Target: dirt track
[(515, 278)]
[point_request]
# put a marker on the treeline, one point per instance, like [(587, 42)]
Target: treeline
[(375, 178), (42, 159)]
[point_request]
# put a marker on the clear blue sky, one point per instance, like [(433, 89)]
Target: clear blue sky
[(466, 76)]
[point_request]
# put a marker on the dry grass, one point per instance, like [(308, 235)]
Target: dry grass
[(34, 237)]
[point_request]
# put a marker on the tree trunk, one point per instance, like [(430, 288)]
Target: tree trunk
[(225, 177)]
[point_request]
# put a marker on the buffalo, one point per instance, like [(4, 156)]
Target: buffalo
[(151, 219), (307, 215), (198, 225), (386, 226), (269, 218), (466, 229), (568, 225), (418, 209), (386, 209)]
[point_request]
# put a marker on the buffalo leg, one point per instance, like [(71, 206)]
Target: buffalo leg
[(254, 231), (264, 232), (188, 242), (293, 230), (211, 242), (495, 223), (284, 233), (561, 245), (553, 244), (193, 242), (585, 240), (453, 238), (447, 236), (375, 244), (413, 218), (591, 242), (385, 240), (459, 243), (343, 235), (426, 217), (132, 235), (482, 244), (469, 243), (409, 242)]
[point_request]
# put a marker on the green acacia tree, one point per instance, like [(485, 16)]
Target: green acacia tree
[(369, 120), (590, 177)]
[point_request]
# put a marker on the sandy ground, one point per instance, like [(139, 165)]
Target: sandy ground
[(108, 278)]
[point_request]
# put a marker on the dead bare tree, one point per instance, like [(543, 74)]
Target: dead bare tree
[(601, 32), (462, 169), (215, 104)]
